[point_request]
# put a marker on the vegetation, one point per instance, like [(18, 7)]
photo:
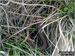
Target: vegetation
[(25, 22)]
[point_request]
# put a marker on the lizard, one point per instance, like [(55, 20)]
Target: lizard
[(42, 38)]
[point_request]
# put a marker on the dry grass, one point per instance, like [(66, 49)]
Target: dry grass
[(16, 16)]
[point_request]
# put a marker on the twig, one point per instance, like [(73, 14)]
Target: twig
[(26, 14), (23, 29), (6, 17), (31, 4)]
